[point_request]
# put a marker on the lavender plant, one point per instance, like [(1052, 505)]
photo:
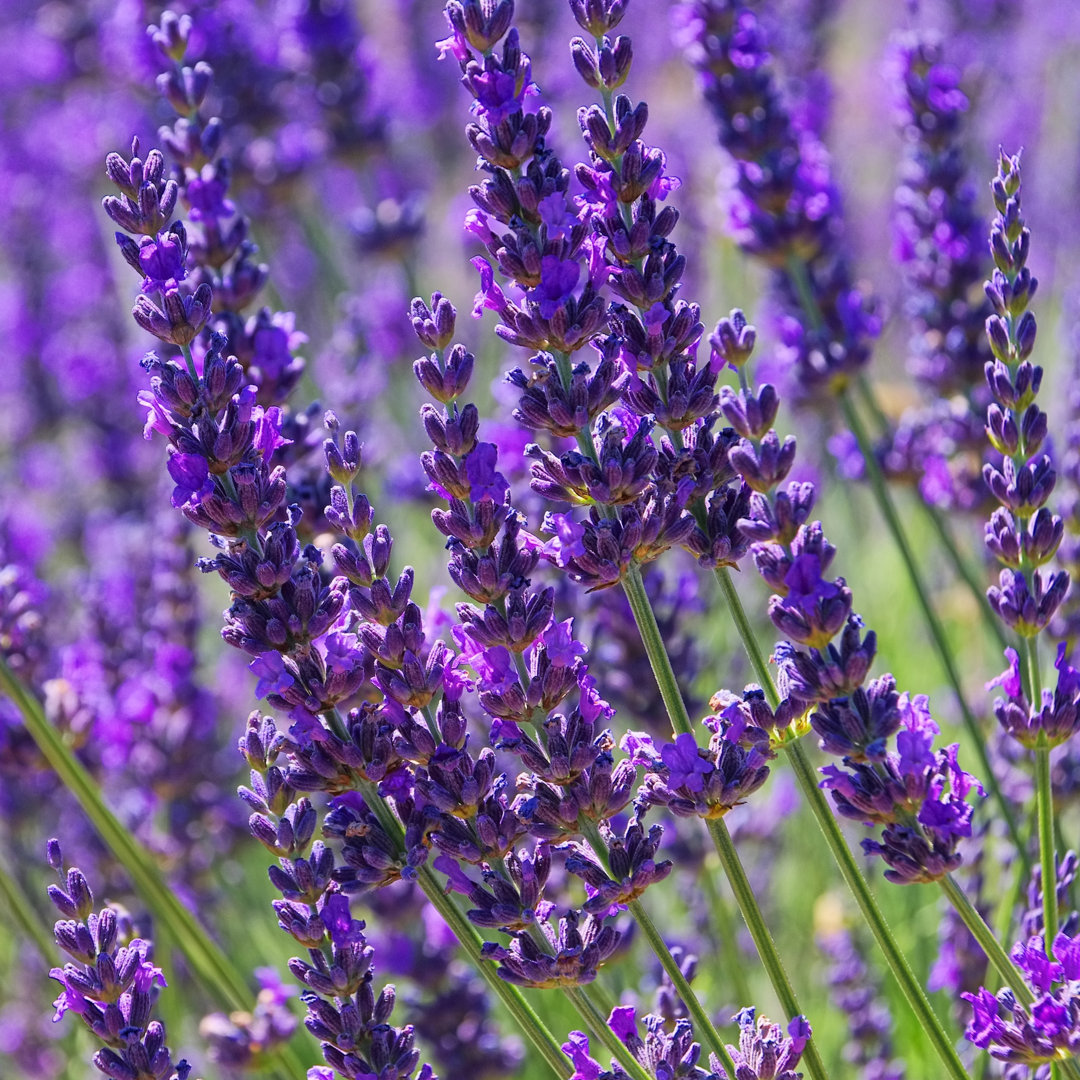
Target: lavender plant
[(502, 796)]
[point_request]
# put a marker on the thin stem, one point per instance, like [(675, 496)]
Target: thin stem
[(703, 1024), (511, 997), (1044, 799), (209, 964), (759, 931), (856, 882), (849, 869), (986, 939), (1011, 901), (668, 685), (937, 631), (720, 911), (190, 361), (597, 1025), (746, 633), (963, 568), (960, 564)]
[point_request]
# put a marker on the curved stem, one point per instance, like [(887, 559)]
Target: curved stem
[(638, 598), (960, 564), (937, 631), (856, 882), (704, 1026), (209, 964), (759, 931), (532, 1027), (720, 911), (668, 685), (21, 908)]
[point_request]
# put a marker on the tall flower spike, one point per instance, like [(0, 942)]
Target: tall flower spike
[(1024, 533), (785, 204)]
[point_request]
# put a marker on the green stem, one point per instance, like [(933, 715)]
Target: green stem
[(668, 685), (720, 912), (638, 598), (746, 633), (937, 631), (1011, 901), (988, 942), (960, 564), (964, 570), (1044, 799), (759, 931), (986, 939), (531, 1026), (190, 361), (703, 1024), (19, 904), (856, 882), (209, 964), (597, 1025)]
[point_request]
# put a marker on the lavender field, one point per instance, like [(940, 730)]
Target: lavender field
[(537, 540)]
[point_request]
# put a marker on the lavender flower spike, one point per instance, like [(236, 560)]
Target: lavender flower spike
[(109, 982)]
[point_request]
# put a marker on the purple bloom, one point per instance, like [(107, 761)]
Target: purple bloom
[(270, 670), (1049, 1029), (623, 1022), (268, 438), (490, 295), (558, 279), (576, 1048), (485, 482), (562, 647), (162, 261), (568, 540), (1009, 680), (191, 475), (686, 765)]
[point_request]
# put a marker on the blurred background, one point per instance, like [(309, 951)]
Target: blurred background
[(346, 138)]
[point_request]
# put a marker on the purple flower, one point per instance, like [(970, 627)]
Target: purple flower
[(268, 438), (485, 482), (558, 279), (1009, 680), (568, 540), (490, 295), (191, 475), (576, 1048), (562, 648), (162, 261), (270, 670), (687, 766)]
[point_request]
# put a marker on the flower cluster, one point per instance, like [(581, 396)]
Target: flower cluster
[(1048, 1029), (1023, 533), (764, 1051), (109, 982)]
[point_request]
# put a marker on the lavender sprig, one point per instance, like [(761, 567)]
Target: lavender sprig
[(109, 982), (1024, 533)]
